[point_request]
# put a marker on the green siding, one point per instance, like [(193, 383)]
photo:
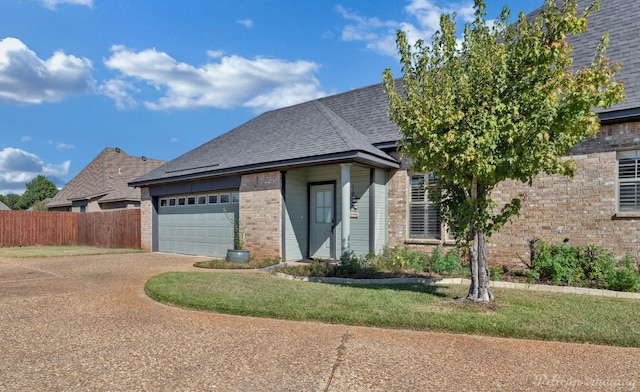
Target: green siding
[(296, 209), (296, 220), (381, 211)]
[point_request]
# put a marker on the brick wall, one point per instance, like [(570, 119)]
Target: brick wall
[(261, 214), (397, 209), (146, 219), (582, 209)]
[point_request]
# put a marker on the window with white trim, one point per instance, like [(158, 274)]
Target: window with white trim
[(424, 217), (628, 180)]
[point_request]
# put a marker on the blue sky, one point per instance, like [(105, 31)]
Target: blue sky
[(159, 78)]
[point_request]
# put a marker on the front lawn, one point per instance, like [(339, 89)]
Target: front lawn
[(515, 313), (57, 251)]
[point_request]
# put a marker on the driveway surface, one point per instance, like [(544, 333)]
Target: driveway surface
[(85, 324)]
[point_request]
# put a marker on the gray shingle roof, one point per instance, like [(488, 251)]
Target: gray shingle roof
[(3, 207), (343, 126), (621, 19), (107, 177)]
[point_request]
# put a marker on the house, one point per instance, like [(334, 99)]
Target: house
[(324, 177), (103, 184), (3, 207)]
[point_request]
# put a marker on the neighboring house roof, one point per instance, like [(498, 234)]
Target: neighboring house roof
[(338, 128), (106, 178), (355, 125), (3, 207)]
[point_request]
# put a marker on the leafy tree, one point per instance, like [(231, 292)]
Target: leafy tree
[(38, 189), (505, 103), (10, 200)]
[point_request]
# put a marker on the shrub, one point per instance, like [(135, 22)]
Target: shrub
[(448, 263), (589, 266)]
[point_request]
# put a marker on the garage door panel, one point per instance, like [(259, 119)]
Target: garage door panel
[(197, 231)]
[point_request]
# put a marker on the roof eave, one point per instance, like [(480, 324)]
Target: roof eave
[(350, 156), (619, 116)]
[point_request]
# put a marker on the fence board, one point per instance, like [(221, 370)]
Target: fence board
[(108, 229)]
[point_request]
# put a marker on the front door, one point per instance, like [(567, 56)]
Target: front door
[(322, 222)]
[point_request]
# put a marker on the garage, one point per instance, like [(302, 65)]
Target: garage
[(197, 224)]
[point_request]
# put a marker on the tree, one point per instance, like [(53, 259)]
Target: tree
[(10, 200), (505, 103), (38, 189)]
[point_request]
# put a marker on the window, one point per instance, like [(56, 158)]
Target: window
[(224, 198), (424, 217), (213, 199), (628, 181), (202, 200), (172, 202), (235, 197), (182, 201), (191, 201), (163, 202)]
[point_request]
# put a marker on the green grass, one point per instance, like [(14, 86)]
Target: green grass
[(515, 313), (57, 251), (224, 264)]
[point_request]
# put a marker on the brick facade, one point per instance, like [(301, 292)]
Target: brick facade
[(582, 209), (261, 214), (397, 186), (146, 219)]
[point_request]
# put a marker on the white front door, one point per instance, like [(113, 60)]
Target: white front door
[(322, 221)]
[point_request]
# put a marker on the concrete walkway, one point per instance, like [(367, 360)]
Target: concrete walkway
[(85, 324)]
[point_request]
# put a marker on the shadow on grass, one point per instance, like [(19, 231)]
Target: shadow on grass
[(422, 288)]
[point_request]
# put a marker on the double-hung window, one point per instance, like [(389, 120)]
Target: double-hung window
[(628, 181), (424, 217)]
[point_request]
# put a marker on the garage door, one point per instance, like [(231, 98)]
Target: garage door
[(187, 227)]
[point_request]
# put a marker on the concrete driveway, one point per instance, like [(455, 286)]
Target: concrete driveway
[(85, 324)]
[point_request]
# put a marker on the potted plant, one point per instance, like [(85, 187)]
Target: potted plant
[(238, 254)]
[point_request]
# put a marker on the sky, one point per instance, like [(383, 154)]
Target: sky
[(159, 78)]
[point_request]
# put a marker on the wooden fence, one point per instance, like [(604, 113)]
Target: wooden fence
[(108, 229)]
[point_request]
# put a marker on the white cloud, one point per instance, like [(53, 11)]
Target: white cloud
[(424, 20), (248, 23), (26, 139), (174, 140), (118, 90), (232, 81), (52, 4), (17, 167), (26, 79)]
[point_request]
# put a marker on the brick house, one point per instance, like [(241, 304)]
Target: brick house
[(324, 177), (103, 183)]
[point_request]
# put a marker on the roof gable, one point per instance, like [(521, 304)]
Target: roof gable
[(105, 178), (306, 132)]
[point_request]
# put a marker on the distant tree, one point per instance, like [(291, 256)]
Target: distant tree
[(504, 103), (38, 189), (10, 200)]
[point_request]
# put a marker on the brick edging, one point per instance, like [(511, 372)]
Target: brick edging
[(433, 281)]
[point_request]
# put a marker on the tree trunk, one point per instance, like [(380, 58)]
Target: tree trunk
[(479, 290)]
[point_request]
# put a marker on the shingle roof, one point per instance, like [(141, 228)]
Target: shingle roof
[(342, 126), (106, 177), (620, 18), (3, 207)]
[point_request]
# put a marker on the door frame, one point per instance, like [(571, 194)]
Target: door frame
[(332, 238)]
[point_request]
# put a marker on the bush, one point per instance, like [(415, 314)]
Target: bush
[(589, 266), (445, 264)]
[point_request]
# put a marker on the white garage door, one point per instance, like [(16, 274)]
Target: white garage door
[(190, 225)]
